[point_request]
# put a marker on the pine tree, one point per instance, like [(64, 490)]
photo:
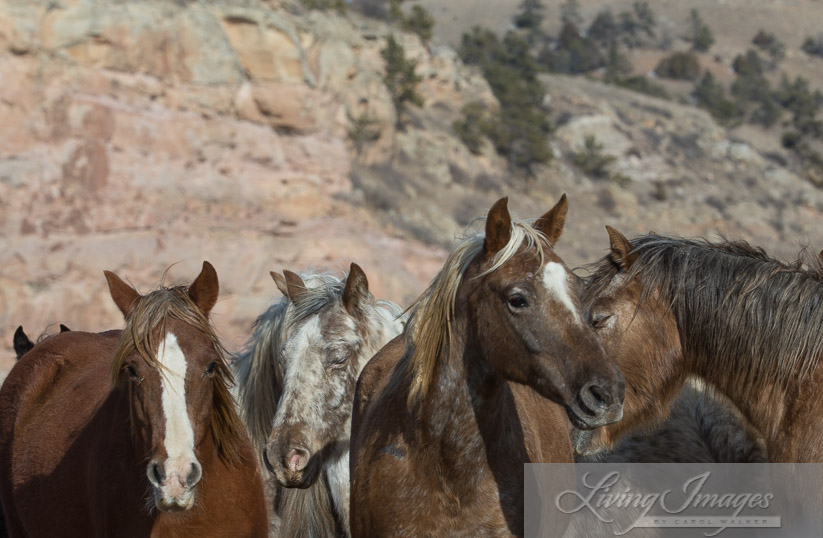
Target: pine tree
[(700, 35), (400, 78), (570, 13), (530, 16), (419, 22)]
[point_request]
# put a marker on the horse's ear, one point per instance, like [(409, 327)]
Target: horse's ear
[(294, 285), (356, 293), (124, 296), (498, 227), (551, 224), (64, 329), (205, 289), (22, 344), (622, 251), (280, 282)]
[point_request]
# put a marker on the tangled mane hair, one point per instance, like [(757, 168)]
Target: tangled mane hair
[(141, 336), (739, 312), (432, 314)]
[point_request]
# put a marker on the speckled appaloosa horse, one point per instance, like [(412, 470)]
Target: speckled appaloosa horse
[(296, 384)]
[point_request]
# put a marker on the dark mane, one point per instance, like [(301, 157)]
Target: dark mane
[(140, 336), (734, 305)]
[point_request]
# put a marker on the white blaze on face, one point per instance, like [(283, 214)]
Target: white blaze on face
[(179, 439), (556, 281)]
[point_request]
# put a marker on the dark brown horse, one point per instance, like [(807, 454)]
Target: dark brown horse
[(130, 433), (748, 325), (22, 343), (448, 412)]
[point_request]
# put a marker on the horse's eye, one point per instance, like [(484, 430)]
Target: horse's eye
[(598, 321), (210, 368), (132, 371), (338, 360), (517, 302)]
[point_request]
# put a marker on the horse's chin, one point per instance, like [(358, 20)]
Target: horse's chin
[(585, 442), (301, 480), (167, 504)]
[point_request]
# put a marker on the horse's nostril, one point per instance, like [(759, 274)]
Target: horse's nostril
[(598, 394), (194, 475), (297, 458), (594, 399), (156, 473)]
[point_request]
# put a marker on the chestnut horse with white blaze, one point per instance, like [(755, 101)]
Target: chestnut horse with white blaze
[(132, 432), (495, 356)]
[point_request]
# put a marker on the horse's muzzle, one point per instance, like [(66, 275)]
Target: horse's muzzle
[(597, 404), (173, 485), (291, 466)]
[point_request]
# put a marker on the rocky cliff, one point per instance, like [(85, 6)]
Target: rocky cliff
[(136, 136)]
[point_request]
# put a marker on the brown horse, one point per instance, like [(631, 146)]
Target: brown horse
[(130, 433), (448, 412), (751, 327), (23, 345)]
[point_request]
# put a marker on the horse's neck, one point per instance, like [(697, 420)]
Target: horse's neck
[(765, 402), (470, 418)]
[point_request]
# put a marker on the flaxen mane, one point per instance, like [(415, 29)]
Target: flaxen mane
[(431, 315), (141, 336), (734, 305)]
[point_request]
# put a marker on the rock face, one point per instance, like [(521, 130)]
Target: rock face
[(139, 136)]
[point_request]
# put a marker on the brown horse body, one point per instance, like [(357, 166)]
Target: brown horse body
[(73, 460), (457, 469), (747, 325), (440, 431)]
